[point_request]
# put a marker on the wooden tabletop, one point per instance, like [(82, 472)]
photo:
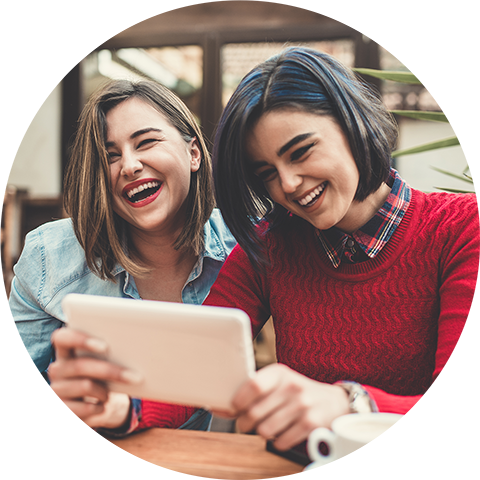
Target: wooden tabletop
[(208, 454)]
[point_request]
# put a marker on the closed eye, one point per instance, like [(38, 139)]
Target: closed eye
[(147, 141), (112, 156), (300, 152), (266, 175)]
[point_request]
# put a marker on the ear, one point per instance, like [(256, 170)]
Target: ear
[(196, 155)]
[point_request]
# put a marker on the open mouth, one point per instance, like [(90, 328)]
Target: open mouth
[(142, 192), (313, 196)]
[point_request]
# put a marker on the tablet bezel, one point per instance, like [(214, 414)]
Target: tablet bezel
[(187, 354)]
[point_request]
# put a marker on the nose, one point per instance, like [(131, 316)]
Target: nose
[(131, 165), (289, 180)]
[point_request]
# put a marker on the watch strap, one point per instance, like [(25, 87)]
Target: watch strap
[(358, 397)]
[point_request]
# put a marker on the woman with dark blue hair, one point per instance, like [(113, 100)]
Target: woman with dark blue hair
[(369, 281)]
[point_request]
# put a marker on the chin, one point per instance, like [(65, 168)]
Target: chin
[(322, 224)]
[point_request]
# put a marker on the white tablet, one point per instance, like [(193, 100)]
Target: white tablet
[(187, 354)]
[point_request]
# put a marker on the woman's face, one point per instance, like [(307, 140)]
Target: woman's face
[(306, 165), (150, 167)]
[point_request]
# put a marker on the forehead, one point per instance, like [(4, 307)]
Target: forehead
[(274, 130), (134, 113)]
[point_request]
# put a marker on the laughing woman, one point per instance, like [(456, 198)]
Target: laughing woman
[(139, 192), (369, 281)]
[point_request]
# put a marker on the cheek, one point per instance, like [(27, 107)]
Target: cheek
[(348, 178), (271, 190), (276, 193), (113, 175), (354, 179), (116, 203), (112, 179)]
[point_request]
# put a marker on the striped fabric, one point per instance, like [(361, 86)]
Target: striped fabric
[(369, 240)]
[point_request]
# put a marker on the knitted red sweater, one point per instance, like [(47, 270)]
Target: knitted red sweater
[(163, 415), (389, 323)]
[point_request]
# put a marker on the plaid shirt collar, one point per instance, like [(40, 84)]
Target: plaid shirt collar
[(374, 235)]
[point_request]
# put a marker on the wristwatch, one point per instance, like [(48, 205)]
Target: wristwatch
[(358, 397)]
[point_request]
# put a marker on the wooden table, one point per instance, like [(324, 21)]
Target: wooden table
[(208, 454)]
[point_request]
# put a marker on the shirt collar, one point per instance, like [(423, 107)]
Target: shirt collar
[(213, 246), (374, 235)]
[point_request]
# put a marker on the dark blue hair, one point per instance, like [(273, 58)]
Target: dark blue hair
[(306, 80)]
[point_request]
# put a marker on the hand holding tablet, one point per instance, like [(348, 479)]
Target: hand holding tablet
[(187, 354)]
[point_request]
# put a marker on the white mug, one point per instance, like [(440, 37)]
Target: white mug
[(360, 446)]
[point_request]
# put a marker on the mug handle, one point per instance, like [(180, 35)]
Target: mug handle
[(318, 436)]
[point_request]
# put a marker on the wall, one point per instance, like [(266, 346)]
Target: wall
[(43, 37)]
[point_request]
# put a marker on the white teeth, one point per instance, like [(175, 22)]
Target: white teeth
[(314, 193), (141, 188)]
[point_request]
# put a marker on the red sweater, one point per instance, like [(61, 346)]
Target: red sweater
[(389, 323)]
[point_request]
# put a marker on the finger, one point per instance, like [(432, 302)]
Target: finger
[(84, 410), (115, 414), (279, 421), (293, 423), (92, 368), (67, 340), (259, 412), (296, 433), (267, 407), (80, 389), (224, 413), (265, 380)]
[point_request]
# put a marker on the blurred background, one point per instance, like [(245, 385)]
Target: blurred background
[(202, 52)]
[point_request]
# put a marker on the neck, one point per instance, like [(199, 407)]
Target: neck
[(361, 212), (157, 251), (169, 268)]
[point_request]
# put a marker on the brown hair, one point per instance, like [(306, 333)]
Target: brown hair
[(87, 192)]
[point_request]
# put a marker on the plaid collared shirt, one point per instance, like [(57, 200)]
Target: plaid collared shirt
[(369, 240)]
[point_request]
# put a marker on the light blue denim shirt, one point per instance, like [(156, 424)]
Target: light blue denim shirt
[(53, 264)]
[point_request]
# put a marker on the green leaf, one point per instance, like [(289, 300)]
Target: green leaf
[(449, 117), (447, 142), (454, 190), (463, 177), (402, 77)]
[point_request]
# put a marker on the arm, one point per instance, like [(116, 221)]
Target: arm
[(81, 383), (278, 402), (305, 404), (34, 324), (239, 286), (457, 279), (30, 299)]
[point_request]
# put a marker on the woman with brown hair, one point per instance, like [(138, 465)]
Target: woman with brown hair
[(139, 193)]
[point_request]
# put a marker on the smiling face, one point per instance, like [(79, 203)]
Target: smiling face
[(150, 167), (306, 165)]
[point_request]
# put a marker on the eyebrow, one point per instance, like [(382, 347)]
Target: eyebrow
[(136, 134), (293, 141)]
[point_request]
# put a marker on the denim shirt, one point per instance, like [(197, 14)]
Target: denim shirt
[(53, 264)]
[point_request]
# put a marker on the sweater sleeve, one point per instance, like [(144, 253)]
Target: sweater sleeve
[(239, 286), (458, 272), (162, 415)]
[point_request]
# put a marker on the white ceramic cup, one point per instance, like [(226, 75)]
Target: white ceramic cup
[(360, 446)]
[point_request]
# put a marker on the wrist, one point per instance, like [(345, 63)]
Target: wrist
[(343, 402), (116, 416), (358, 399), (124, 413)]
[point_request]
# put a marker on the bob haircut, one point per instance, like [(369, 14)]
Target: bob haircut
[(87, 191), (305, 80)]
